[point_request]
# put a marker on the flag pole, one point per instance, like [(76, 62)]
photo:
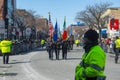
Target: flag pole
[(49, 17), (50, 26)]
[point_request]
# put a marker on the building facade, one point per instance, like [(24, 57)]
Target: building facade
[(77, 30), (2, 23), (42, 27), (7, 8), (112, 13)]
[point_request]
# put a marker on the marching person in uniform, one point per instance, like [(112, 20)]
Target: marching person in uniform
[(48, 47), (59, 43), (56, 50), (6, 50), (64, 49), (93, 61), (52, 49)]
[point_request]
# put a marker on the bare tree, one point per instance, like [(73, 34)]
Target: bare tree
[(92, 15), (20, 21), (85, 17), (25, 19), (32, 12), (35, 17)]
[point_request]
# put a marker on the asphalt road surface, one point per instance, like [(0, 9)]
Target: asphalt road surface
[(37, 66)]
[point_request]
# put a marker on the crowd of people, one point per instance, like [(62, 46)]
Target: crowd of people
[(111, 46), (56, 46)]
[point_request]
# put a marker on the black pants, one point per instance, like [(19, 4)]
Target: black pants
[(64, 54), (51, 54), (117, 54), (5, 58), (57, 54)]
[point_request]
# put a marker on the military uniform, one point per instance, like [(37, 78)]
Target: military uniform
[(52, 50), (48, 47), (64, 49), (56, 50)]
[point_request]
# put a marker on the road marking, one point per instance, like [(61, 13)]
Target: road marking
[(30, 73), (5, 69), (5, 66)]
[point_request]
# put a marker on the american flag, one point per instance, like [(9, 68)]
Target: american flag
[(50, 26), (50, 29)]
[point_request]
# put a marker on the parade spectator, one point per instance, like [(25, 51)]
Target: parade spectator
[(103, 45), (111, 46), (108, 44)]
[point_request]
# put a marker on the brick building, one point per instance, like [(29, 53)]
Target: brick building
[(39, 25), (42, 27)]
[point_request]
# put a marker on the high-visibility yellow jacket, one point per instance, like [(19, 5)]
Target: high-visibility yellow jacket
[(117, 43), (77, 41), (5, 46), (42, 41), (0, 46), (92, 64)]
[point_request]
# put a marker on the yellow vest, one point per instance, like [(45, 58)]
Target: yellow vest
[(5, 46), (117, 43), (77, 41), (42, 41)]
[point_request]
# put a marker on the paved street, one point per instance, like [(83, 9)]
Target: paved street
[(36, 66)]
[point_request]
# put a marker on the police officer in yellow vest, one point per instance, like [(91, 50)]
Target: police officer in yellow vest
[(117, 48), (42, 43), (77, 42), (93, 61), (6, 50)]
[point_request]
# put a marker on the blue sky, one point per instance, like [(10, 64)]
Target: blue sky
[(60, 8)]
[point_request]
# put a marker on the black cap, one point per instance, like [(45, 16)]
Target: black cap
[(91, 35)]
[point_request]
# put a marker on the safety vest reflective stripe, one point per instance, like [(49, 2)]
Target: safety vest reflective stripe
[(84, 64), (92, 65), (96, 67)]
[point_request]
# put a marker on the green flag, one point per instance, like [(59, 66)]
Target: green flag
[(64, 35), (64, 25)]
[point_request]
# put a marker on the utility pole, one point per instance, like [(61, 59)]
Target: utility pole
[(5, 16), (49, 17)]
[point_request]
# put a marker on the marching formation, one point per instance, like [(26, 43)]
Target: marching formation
[(63, 45)]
